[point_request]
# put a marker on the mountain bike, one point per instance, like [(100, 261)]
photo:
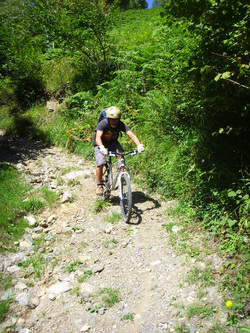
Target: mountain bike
[(120, 180)]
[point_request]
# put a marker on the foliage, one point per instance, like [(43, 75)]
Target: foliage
[(109, 296), (181, 80), (37, 264), (219, 67), (129, 316), (73, 266), (17, 200)]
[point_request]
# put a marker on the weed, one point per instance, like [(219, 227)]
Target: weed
[(115, 217), (37, 263), (65, 171), (5, 282), (201, 294), (85, 276), (73, 266), (75, 291), (4, 308), (182, 329), (168, 226), (216, 328), (200, 310), (206, 277), (129, 316), (94, 308), (99, 205), (109, 296), (73, 182), (108, 243)]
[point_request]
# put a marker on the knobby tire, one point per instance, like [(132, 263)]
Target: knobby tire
[(126, 199)]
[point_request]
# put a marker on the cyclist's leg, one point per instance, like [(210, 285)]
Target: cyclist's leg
[(100, 162)]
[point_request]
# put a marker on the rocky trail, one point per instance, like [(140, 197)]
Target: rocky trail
[(93, 274)]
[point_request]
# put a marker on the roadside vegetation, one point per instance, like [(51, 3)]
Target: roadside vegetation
[(180, 74)]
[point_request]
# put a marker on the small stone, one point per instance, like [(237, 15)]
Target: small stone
[(69, 305), (23, 299), (24, 330), (20, 286), (31, 322), (101, 311), (13, 269), (33, 302), (53, 185), (19, 258), (43, 224), (31, 220), (175, 229), (87, 289), (7, 294), (155, 263), (85, 328), (98, 269), (29, 239), (66, 197), (52, 297), (51, 219), (10, 322), (38, 230)]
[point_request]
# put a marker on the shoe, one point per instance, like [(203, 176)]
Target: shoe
[(99, 190)]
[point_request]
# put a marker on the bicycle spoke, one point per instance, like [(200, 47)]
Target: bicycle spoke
[(126, 198)]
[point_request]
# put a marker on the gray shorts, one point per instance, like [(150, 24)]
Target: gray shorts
[(100, 158)]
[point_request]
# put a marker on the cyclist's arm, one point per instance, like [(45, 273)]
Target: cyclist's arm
[(133, 137), (98, 138)]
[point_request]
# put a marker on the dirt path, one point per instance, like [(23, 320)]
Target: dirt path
[(83, 252)]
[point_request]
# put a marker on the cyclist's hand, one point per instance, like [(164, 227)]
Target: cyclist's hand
[(103, 150), (140, 148)]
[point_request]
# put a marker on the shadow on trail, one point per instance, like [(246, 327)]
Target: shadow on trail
[(15, 149), (139, 198)]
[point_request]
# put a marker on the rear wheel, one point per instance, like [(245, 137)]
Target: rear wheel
[(126, 198)]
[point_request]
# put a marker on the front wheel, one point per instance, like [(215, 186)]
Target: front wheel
[(125, 197)]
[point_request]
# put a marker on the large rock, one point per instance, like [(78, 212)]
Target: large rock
[(59, 288)]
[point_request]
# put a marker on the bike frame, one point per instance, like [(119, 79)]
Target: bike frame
[(119, 173)]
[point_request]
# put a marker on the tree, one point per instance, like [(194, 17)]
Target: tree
[(157, 3), (78, 26), (221, 72), (130, 4)]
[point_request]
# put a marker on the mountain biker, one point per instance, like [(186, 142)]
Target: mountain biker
[(106, 138)]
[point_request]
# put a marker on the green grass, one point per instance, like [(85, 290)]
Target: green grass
[(85, 276), (115, 217), (5, 283), (201, 311), (128, 317), (73, 266), (17, 199), (13, 191), (4, 308), (37, 264), (108, 296), (99, 206)]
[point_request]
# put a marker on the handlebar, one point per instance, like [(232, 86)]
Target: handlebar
[(114, 154)]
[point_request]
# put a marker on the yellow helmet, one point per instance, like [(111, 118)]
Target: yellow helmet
[(113, 112)]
